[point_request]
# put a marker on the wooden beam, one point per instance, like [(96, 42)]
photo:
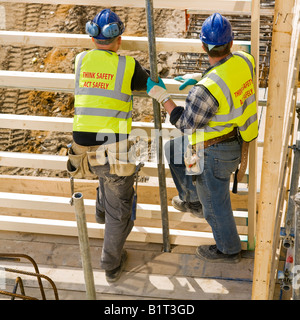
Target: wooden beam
[(37, 81), (27, 122), (33, 160), (264, 12), (61, 124), (239, 6), (95, 230), (56, 162), (64, 40), (34, 202), (283, 27), (59, 82), (64, 82), (60, 187)]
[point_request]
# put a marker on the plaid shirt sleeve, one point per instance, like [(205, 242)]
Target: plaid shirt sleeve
[(200, 107)]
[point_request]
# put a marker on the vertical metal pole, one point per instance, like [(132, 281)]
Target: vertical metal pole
[(252, 193), (296, 284), (84, 246), (289, 222), (158, 127)]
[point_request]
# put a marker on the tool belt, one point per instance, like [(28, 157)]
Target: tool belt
[(240, 172), (229, 136), (78, 161), (82, 158)]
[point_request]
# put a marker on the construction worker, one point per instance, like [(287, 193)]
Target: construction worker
[(104, 82), (219, 117)]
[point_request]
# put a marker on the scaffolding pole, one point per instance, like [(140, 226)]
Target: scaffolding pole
[(84, 246), (296, 282), (158, 128)]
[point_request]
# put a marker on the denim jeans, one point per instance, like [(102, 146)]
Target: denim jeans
[(211, 187)]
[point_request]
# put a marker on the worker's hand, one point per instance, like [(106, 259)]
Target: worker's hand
[(157, 90), (189, 79)]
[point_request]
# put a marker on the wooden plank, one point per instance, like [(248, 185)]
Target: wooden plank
[(59, 82), (62, 205), (28, 122), (64, 82), (151, 261), (95, 230), (264, 12), (61, 124), (143, 130), (37, 81), (60, 187), (150, 220), (56, 162), (145, 261), (65, 40), (33, 160), (142, 285), (239, 6), (279, 69)]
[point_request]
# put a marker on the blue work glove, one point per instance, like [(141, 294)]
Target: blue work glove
[(157, 90), (189, 79)]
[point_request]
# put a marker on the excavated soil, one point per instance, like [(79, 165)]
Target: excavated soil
[(66, 19)]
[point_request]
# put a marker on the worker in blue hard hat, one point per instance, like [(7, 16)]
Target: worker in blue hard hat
[(216, 33), (219, 118), (105, 27), (104, 82)]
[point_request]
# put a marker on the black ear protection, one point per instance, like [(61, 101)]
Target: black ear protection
[(108, 31)]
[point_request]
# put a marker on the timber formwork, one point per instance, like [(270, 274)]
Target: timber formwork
[(39, 205)]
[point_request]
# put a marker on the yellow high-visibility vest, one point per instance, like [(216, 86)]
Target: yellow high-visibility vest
[(103, 97), (231, 83)]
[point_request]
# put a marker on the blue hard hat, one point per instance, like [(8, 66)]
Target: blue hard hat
[(105, 25), (216, 30)]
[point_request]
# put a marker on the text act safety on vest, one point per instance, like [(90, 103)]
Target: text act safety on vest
[(90, 84)]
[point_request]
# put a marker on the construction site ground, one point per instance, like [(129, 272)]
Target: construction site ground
[(149, 273)]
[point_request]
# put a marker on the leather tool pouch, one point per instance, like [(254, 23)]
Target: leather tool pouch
[(78, 165), (80, 159), (121, 163)]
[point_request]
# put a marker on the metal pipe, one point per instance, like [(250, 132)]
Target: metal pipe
[(158, 127), (84, 246), (289, 222), (296, 287)]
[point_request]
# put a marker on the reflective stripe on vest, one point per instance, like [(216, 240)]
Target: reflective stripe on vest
[(231, 83), (105, 95)]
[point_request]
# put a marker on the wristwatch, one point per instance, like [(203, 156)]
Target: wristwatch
[(165, 100)]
